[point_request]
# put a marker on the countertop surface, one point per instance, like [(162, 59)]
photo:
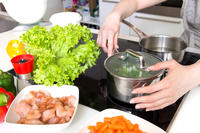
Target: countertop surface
[(83, 113), (187, 112)]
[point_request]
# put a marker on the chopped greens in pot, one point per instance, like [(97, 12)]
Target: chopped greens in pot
[(130, 67), (132, 71)]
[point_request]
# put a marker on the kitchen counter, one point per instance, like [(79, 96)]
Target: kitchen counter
[(83, 113), (188, 110)]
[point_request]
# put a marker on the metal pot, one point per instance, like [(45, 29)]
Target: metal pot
[(166, 47), (124, 75)]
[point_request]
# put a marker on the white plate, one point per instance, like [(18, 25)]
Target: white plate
[(143, 124), (12, 118)]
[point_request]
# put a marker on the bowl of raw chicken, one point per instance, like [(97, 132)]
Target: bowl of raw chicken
[(39, 108)]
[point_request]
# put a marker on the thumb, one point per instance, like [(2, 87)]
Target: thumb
[(163, 65)]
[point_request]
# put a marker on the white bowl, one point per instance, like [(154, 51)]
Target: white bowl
[(65, 18), (143, 124), (12, 117), (26, 11)]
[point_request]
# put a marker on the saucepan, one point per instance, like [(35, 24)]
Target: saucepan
[(127, 71), (164, 46)]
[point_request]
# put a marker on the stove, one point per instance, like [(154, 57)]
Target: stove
[(93, 89)]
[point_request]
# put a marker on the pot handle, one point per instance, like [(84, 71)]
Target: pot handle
[(137, 31), (138, 55), (115, 51)]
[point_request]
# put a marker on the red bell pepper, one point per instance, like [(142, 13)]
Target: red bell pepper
[(6, 99)]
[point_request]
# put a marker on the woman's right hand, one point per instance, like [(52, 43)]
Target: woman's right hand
[(108, 34)]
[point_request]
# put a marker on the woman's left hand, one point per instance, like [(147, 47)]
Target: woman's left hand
[(179, 80)]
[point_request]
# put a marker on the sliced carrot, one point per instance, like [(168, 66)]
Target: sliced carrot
[(117, 124), (102, 129), (107, 130)]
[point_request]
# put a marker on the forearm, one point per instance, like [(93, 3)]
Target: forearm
[(127, 7)]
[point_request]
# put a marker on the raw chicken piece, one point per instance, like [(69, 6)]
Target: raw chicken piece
[(29, 98), (67, 118), (22, 108), (71, 100), (48, 114), (40, 96), (21, 121), (33, 114), (68, 100), (53, 120), (44, 104), (70, 110), (60, 110), (33, 122), (51, 103), (61, 121), (35, 106), (40, 107)]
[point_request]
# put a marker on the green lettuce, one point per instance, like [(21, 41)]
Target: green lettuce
[(61, 53)]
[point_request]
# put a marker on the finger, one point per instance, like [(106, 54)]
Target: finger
[(158, 107), (104, 42), (151, 88), (116, 41), (163, 65), (110, 43), (99, 39), (149, 98), (151, 104)]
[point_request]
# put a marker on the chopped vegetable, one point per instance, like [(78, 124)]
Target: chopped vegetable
[(117, 124), (61, 53), (7, 82), (6, 99), (14, 48)]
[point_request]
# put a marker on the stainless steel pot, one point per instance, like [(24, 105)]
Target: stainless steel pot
[(121, 83), (166, 47)]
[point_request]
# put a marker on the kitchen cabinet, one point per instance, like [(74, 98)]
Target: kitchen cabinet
[(148, 23), (155, 24)]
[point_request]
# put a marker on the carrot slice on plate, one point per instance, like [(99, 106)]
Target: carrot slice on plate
[(117, 124)]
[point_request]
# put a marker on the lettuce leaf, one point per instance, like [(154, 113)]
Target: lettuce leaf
[(61, 53)]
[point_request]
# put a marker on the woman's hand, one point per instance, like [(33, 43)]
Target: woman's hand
[(179, 80), (108, 34)]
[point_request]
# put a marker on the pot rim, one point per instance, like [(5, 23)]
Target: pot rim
[(140, 79), (165, 36)]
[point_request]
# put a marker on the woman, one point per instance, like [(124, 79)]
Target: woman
[(180, 79)]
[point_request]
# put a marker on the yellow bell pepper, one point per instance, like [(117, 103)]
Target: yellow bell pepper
[(15, 48)]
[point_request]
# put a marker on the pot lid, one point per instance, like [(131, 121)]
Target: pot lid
[(125, 65)]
